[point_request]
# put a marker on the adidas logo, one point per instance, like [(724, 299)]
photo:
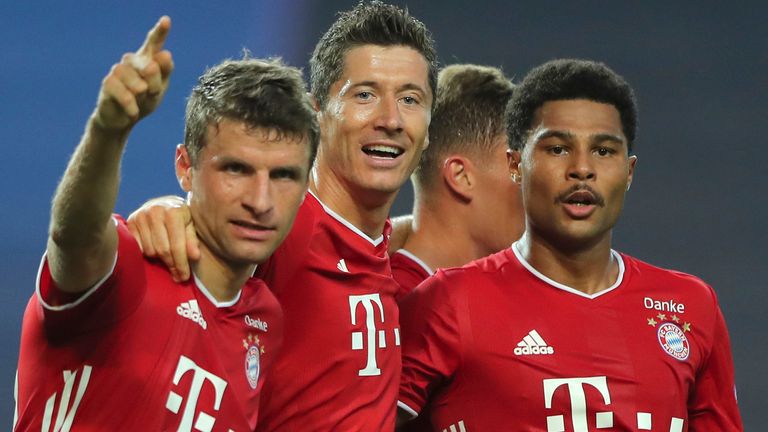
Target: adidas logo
[(191, 310), (533, 344), (341, 265)]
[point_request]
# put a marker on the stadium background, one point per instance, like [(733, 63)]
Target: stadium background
[(698, 203)]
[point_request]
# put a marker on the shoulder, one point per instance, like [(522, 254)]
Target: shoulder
[(485, 268), (673, 278), (665, 285)]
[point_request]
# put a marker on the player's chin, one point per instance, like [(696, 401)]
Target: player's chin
[(387, 182), (254, 253)]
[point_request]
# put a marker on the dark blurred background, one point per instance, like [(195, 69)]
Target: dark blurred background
[(698, 202)]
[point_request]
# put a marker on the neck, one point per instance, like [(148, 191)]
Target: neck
[(441, 238), (590, 270), (366, 210), (223, 280)]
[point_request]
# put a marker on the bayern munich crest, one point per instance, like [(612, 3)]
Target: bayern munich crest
[(253, 352), (673, 341)]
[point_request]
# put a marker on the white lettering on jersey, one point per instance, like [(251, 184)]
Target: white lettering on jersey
[(368, 300), (533, 344), (256, 323), (204, 421), (668, 306), (191, 310), (556, 423), (66, 413)]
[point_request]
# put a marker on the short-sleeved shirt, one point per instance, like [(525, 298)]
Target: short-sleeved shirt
[(496, 345), (139, 351), (408, 271), (340, 365)]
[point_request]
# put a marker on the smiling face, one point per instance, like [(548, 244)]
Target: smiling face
[(244, 190), (575, 170), (374, 124)]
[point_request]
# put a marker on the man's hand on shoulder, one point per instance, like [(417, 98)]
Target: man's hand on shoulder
[(163, 228)]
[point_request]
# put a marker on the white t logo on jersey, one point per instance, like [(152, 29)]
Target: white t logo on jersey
[(575, 386), (368, 300), (66, 413), (204, 421)]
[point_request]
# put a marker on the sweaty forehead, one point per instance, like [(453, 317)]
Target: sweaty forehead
[(395, 64)]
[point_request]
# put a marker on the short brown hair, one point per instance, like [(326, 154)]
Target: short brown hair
[(368, 23), (468, 115), (260, 93)]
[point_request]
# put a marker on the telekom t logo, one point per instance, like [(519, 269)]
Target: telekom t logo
[(373, 338), (575, 387), (205, 421)]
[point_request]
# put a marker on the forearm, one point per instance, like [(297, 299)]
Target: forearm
[(82, 239)]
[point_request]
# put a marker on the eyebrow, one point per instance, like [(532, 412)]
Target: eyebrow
[(568, 136), (406, 86)]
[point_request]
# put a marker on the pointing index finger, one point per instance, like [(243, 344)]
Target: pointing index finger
[(155, 37)]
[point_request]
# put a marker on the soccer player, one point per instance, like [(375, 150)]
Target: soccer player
[(560, 332), (466, 206), (109, 340), (373, 76)]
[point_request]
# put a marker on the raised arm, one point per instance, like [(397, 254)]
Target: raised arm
[(82, 239)]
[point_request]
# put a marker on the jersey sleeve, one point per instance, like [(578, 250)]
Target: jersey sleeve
[(109, 301), (712, 406), (431, 347)]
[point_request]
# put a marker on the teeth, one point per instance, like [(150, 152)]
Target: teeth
[(386, 150)]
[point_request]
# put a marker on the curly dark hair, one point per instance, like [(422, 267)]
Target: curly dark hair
[(568, 79), (368, 23)]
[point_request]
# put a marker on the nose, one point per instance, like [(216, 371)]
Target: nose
[(581, 167), (388, 116), (257, 198)]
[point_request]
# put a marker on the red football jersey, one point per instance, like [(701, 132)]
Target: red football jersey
[(496, 345), (408, 271), (340, 365), (142, 352)]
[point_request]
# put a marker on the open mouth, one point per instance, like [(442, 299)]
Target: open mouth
[(580, 201), (383, 151), (582, 198)]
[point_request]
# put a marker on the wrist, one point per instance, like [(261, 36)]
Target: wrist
[(97, 128)]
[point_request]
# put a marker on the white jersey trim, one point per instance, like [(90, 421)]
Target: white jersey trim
[(203, 289), (15, 400), (348, 224), (82, 297), (563, 287), (416, 259), (406, 408)]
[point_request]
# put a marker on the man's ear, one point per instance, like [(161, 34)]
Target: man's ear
[(458, 176), (631, 173), (183, 168), (513, 162)]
